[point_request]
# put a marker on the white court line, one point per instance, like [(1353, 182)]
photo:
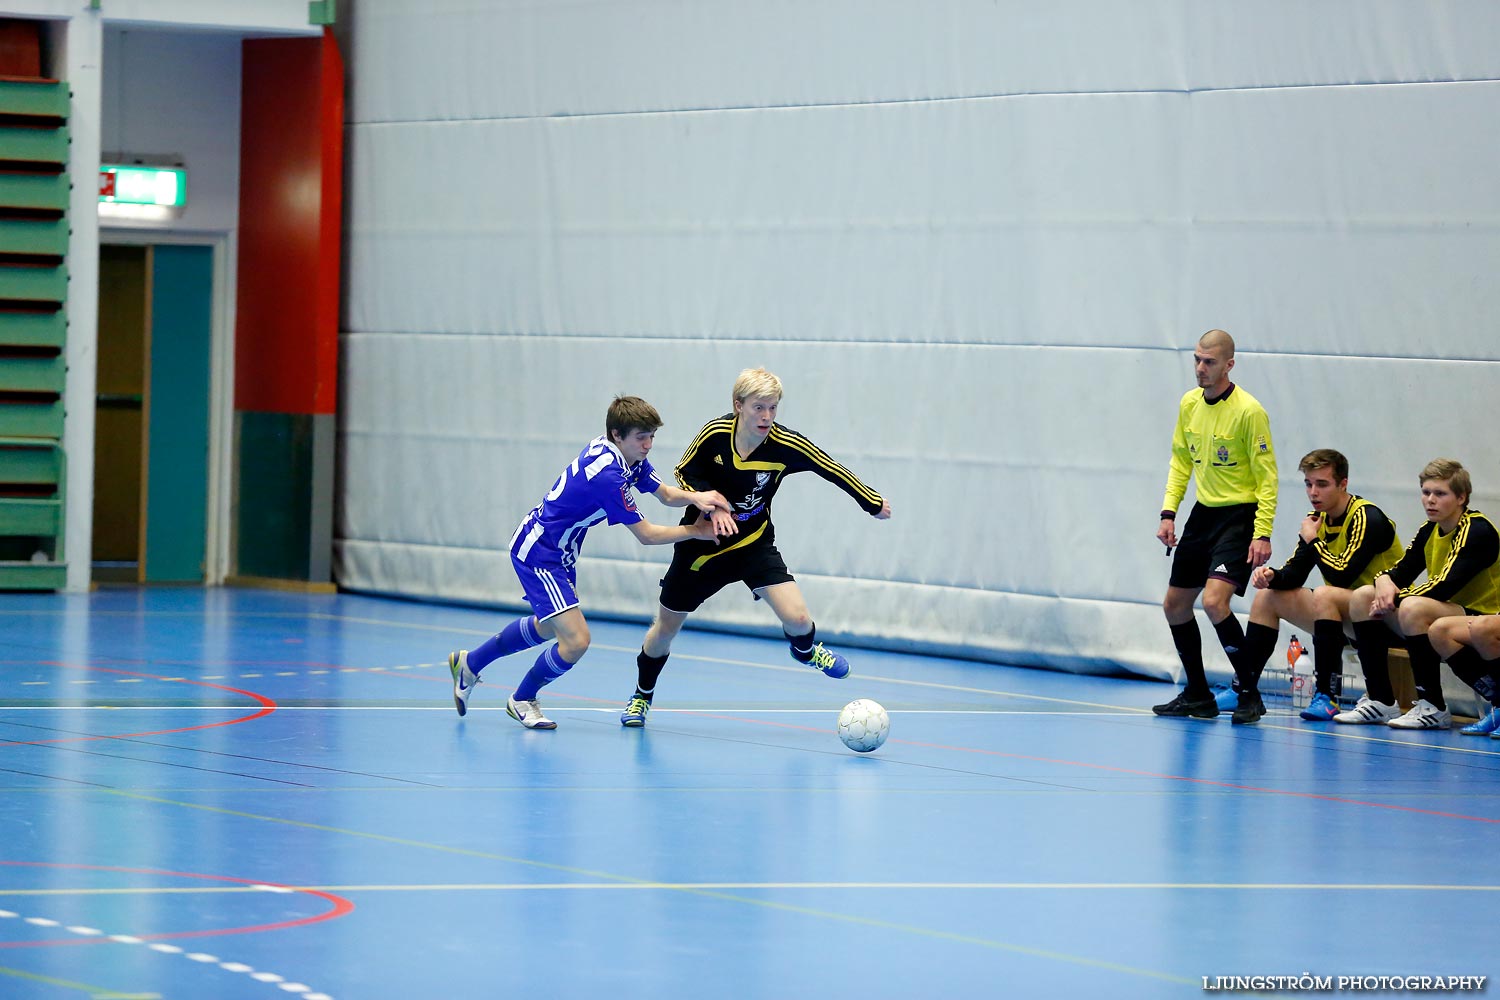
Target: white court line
[(606, 710), (679, 886), (631, 650), (1343, 733), (1110, 711)]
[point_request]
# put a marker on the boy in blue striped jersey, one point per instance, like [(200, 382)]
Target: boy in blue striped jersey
[(599, 485)]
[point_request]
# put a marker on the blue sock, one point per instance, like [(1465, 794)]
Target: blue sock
[(518, 635), (548, 668)]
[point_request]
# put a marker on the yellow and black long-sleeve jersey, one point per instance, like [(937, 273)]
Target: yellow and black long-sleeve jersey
[(1462, 567), (1226, 443), (1350, 552), (750, 483)]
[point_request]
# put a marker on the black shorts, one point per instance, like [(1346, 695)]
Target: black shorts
[(700, 570), (1215, 544)]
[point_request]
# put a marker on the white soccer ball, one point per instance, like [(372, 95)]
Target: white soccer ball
[(863, 725)]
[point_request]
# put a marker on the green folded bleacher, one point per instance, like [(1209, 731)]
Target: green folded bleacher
[(34, 195)]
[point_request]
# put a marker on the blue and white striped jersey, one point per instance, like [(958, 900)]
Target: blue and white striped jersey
[(598, 485)]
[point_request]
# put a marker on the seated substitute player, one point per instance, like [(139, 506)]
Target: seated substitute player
[(1471, 646), (1349, 540), (597, 486), (1223, 437), (1457, 548), (744, 455)]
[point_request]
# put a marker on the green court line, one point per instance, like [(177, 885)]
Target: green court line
[(97, 992)]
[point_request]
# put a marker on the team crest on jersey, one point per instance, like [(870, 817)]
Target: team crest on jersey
[(761, 478), (1222, 454)]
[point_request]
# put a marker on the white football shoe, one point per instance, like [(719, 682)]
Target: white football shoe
[(1368, 713), (1424, 715)]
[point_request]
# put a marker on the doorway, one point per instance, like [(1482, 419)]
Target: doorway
[(152, 413)]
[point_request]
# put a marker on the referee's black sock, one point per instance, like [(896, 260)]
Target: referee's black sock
[(1260, 641), (1189, 643), (648, 669), (802, 645), (1232, 638)]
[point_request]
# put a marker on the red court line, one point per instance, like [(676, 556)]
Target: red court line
[(267, 707), (1131, 771), (341, 906)]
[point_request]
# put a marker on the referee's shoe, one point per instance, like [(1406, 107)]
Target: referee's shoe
[(1182, 707)]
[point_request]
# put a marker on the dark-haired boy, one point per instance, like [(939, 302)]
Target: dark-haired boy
[(1349, 540), (599, 485)]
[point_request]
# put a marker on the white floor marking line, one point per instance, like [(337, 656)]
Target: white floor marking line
[(164, 948), (823, 886)]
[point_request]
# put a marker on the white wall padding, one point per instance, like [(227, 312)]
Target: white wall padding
[(977, 241)]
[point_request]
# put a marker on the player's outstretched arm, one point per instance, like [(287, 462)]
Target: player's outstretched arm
[(711, 502), (660, 534), (705, 500)]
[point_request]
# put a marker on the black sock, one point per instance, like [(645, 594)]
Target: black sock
[(648, 669), (1189, 643), (1468, 666), (1488, 686), (1328, 652), (1426, 669), (1371, 640), (1260, 640), (802, 645), (1232, 638)]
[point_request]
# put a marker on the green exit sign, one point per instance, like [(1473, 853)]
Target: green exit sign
[(132, 184)]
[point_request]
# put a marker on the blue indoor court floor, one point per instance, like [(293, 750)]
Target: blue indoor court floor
[(251, 794)]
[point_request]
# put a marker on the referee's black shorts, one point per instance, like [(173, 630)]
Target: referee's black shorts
[(1215, 543)]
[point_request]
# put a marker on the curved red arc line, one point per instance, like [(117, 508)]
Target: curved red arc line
[(267, 707), (340, 906)]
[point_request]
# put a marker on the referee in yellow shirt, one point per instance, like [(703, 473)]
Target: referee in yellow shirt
[(1223, 437)]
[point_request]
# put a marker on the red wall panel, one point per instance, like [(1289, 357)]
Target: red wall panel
[(291, 189)]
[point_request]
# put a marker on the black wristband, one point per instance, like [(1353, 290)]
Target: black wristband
[(1169, 515)]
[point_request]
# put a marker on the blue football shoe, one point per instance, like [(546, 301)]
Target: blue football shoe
[(831, 663), (1227, 698), (1485, 726), (1321, 709)]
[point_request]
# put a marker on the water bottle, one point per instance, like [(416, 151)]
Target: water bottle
[(1304, 682)]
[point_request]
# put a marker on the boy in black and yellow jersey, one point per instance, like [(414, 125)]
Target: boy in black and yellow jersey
[(1349, 540), (1223, 437), (744, 455), (1471, 646), (1458, 549)]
